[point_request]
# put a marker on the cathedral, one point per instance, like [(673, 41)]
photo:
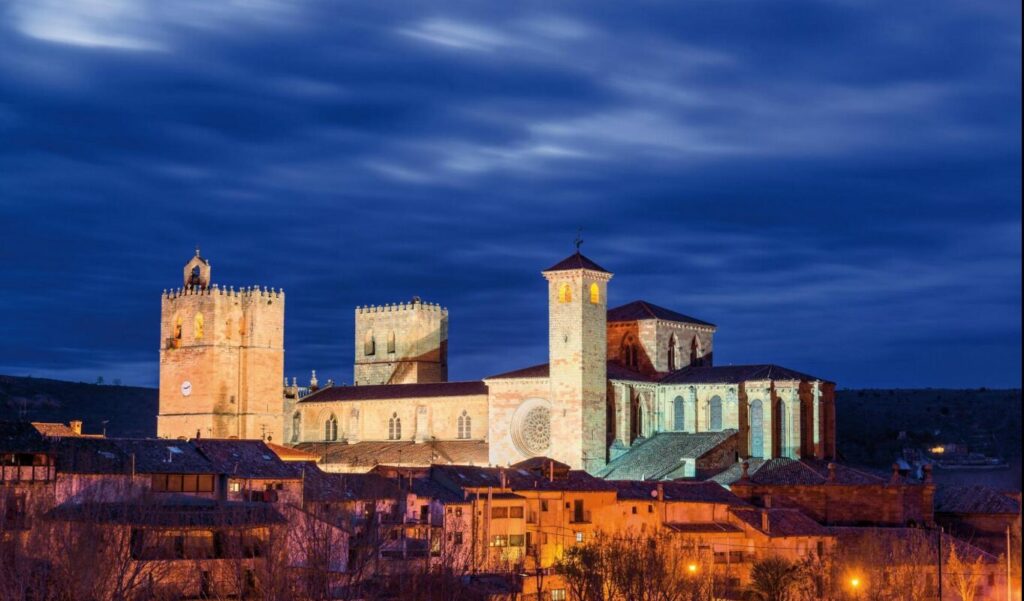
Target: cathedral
[(630, 392)]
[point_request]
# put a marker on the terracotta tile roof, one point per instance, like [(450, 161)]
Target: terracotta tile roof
[(640, 310), (662, 456), (679, 492), (704, 527), (733, 374), (21, 437), (178, 512), (320, 486), (290, 453), (243, 458), (368, 454), (395, 391), (576, 261), (783, 471), (54, 429), (462, 476), (781, 522), (974, 499)]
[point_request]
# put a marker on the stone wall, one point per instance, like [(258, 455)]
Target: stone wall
[(401, 343), (840, 504), (506, 397)]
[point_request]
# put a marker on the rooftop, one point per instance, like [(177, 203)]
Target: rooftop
[(399, 452), (396, 391), (640, 310), (663, 456), (576, 261), (243, 458), (733, 374), (974, 499), (676, 491), (781, 522)]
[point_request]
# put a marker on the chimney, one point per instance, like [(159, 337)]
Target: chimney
[(551, 470), (746, 470), (831, 472), (765, 525), (927, 473), (895, 479), (767, 500), (661, 491), (76, 426), (501, 473)]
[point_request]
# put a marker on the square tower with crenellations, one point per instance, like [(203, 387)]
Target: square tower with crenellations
[(221, 359), (402, 343)]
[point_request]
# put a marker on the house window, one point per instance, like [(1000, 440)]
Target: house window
[(395, 427), (558, 594), (499, 512), (543, 504), (516, 540), (464, 425), (564, 293), (296, 426), (331, 428), (499, 540), (595, 294), (579, 537), (515, 512), (369, 344), (391, 342), (458, 512), (457, 538)]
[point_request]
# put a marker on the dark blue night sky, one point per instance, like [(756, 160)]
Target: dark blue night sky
[(835, 184)]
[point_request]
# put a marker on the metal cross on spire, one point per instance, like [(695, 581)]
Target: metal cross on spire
[(579, 239)]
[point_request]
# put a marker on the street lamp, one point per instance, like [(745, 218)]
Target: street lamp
[(855, 585)]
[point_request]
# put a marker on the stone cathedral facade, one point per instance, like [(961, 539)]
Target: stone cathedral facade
[(629, 392)]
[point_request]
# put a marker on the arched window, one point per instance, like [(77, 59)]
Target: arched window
[(636, 427), (678, 417), (630, 352), (177, 328), (198, 327), (715, 421), (595, 293), (464, 425), (391, 342), (672, 353), (695, 351), (756, 419), (331, 428), (369, 344), (564, 293), (296, 426), (395, 427)]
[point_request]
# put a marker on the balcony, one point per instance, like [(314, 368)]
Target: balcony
[(580, 517), (26, 473)]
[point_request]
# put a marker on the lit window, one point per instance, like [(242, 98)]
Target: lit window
[(579, 537), (558, 594), (499, 540), (516, 540), (198, 328), (564, 294), (595, 293)]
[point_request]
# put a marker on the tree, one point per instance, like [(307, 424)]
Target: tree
[(773, 579), (963, 575)]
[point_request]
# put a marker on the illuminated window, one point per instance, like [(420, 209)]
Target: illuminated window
[(595, 293), (391, 342), (579, 537), (369, 344), (464, 425), (198, 327), (395, 427), (558, 594), (564, 294), (331, 428)]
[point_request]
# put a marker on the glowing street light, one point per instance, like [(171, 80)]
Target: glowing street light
[(855, 583), (692, 568)]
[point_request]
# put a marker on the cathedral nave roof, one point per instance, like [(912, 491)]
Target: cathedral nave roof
[(396, 391), (733, 374), (640, 309)]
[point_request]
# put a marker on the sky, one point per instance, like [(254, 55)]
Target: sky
[(835, 184)]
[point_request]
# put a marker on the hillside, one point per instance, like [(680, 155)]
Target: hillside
[(870, 421), (130, 411)]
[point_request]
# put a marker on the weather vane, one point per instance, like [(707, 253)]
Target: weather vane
[(579, 239)]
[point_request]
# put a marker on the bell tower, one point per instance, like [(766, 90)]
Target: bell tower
[(221, 359), (577, 347)]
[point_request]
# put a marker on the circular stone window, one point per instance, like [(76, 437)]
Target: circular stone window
[(531, 427)]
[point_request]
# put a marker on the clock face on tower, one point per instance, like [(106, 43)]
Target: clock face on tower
[(186, 388)]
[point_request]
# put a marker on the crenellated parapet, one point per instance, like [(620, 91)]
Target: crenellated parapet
[(401, 343), (217, 290), (415, 305)]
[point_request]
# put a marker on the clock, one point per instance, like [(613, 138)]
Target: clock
[(186, 388)]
